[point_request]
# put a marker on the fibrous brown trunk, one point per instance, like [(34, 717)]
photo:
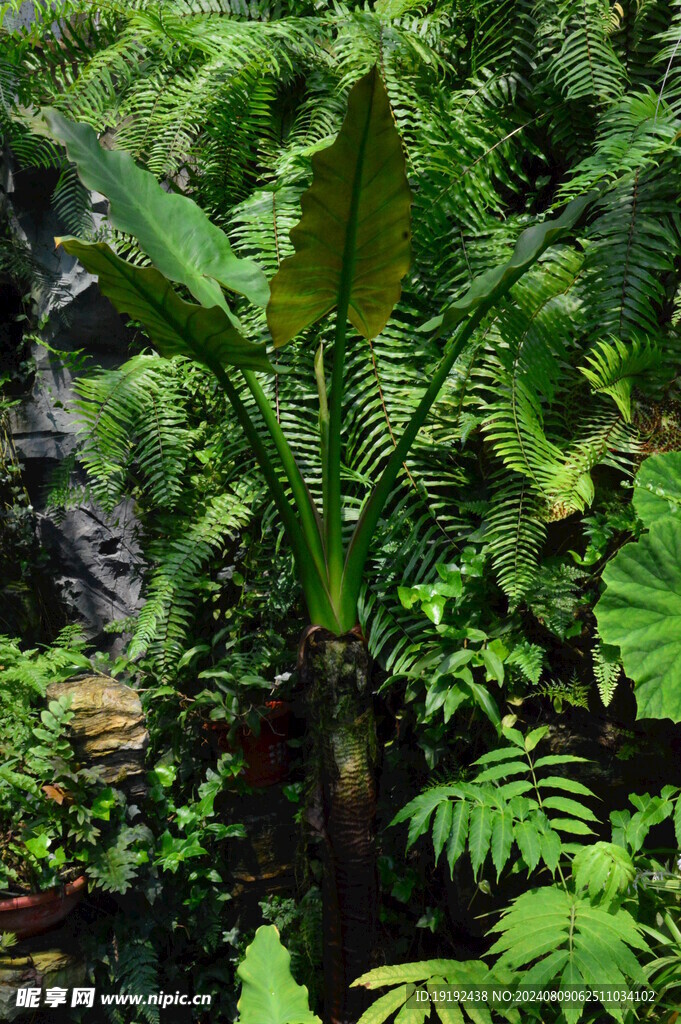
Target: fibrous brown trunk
[(335, 671)]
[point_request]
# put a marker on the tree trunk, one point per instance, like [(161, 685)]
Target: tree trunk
[(335, 671)]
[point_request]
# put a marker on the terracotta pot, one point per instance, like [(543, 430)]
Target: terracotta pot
[(31, 915), (267, 755)]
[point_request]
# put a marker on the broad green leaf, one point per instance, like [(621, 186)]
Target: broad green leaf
[(657, 489), (479, 836), (458, 833), (490, 286), (171, 229), (486, 702), (174, 326), (640, 612), (493, 664), (452, 662), (268, 990), (353, 240)]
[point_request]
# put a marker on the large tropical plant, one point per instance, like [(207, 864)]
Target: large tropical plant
[(351, 253)]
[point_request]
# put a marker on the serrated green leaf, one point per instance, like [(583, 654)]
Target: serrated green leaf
[(568, 806), (458, 833), (502, 838), (604, 869), (449, 1014), (553, 759), (384, 1006), (573, 826), (529, 843), (501, 754), (406, 974), (413, 1014), (569, 785), (442, 827), (550, 845), (479, 835), (502, 771), (535, 737)]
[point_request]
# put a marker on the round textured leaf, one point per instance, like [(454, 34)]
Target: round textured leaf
[(640, 612), (658, 487)]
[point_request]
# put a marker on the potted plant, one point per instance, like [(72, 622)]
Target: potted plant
[(61, 827), (248, 713)]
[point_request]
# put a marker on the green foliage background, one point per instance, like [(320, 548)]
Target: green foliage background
[(478, 606)]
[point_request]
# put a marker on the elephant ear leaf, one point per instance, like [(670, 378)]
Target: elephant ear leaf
[(269, 994), (171, 229), (353, 240), (175, 327), (489, 287)]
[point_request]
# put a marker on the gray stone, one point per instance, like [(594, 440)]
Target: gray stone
[(95, 559)]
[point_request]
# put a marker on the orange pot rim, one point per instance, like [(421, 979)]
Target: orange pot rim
[(55, 894)]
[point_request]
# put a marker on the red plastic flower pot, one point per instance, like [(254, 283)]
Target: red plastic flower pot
[(33, 914), (267, 755)]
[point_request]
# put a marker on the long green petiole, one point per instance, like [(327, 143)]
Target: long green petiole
[(358, 549), (312, 577)]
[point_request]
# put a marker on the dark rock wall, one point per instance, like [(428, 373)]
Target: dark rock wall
[(94, 560)]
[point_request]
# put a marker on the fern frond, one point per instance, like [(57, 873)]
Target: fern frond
[(607, 668)]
